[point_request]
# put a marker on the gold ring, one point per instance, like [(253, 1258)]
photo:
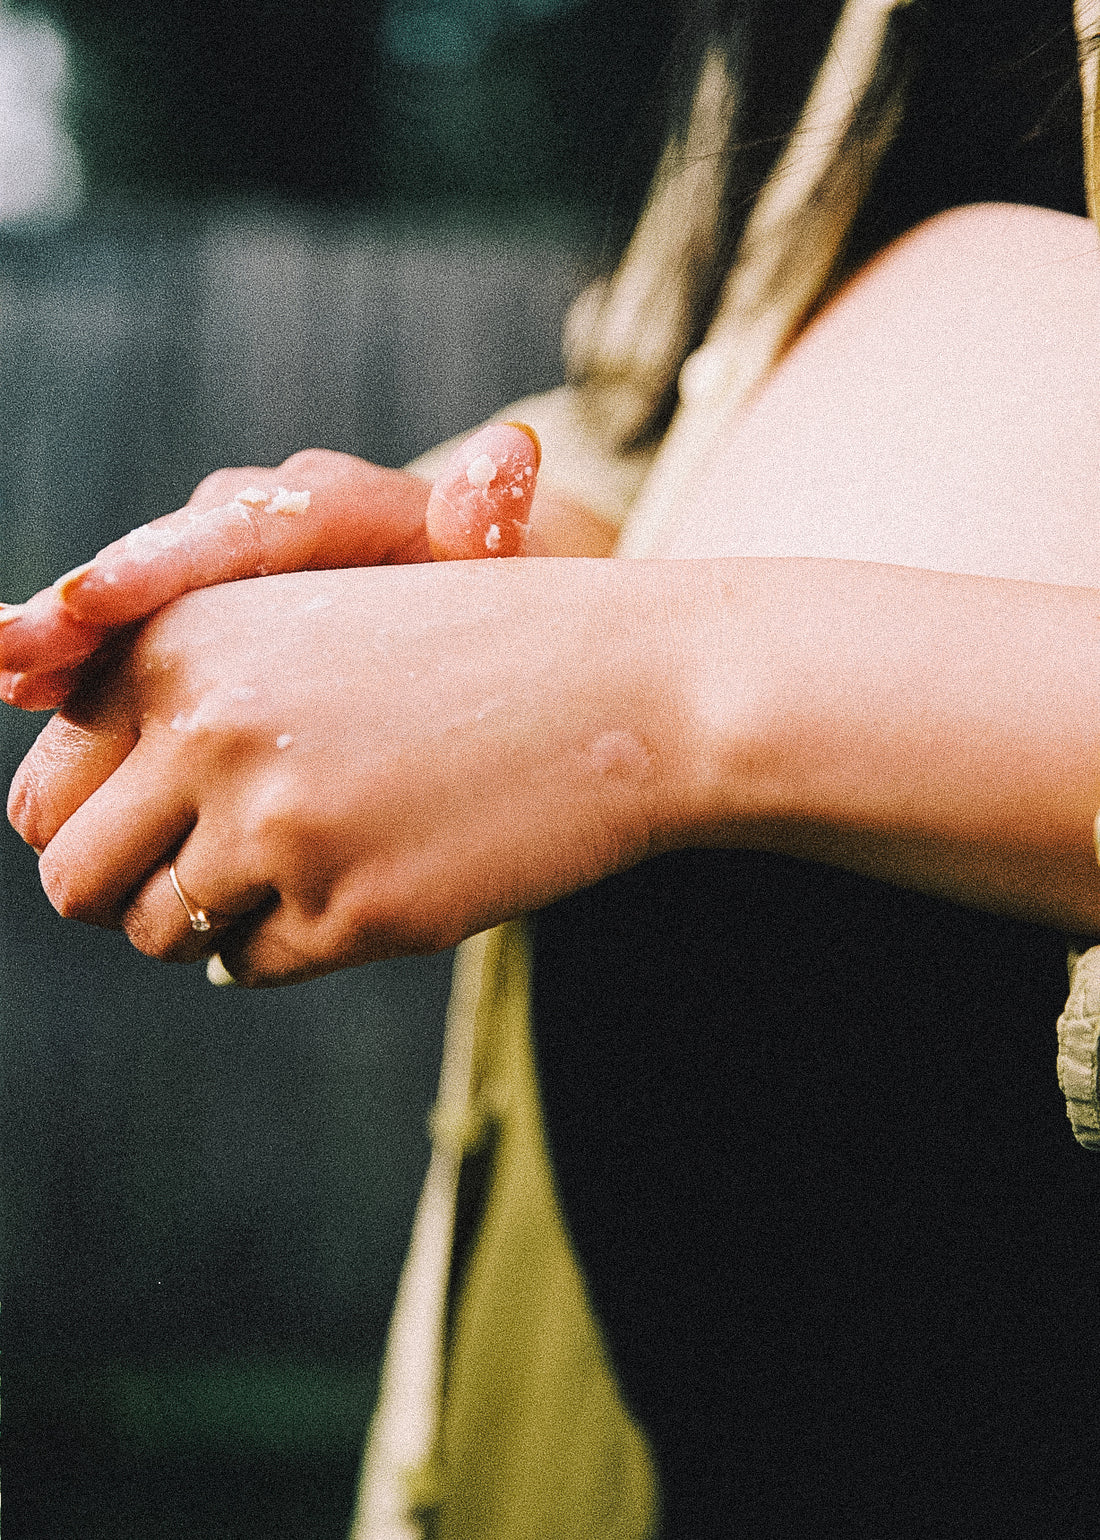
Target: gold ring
[(197, 916)]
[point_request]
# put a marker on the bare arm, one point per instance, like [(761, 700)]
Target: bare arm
[(937, 730), (352, 765), (497, 734)]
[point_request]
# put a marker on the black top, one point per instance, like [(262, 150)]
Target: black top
[(815, 1161)]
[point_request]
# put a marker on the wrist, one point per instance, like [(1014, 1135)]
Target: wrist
[(762, 701), (705, 665)]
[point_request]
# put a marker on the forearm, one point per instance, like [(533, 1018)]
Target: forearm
[(494, 735), (939, 731)]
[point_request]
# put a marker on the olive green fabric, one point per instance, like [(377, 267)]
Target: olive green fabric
[(526, 1435), (534, 1440), (1079, 1048)]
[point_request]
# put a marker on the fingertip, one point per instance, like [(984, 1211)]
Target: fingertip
[(480, 504), (68, 586), (218, 974), (525, 427), (35, 692)]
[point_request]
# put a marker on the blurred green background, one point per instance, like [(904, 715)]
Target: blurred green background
[(232, 230), (473, 104)]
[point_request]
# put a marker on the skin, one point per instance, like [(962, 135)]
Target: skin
[(359, 515), (561, 719), (481, 502)]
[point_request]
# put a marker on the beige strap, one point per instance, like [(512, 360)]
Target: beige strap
[(626, 336), (1078, 1045), (396, 1479)]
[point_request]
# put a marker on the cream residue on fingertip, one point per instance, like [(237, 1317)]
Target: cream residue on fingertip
[(492, 537), (481, 472)]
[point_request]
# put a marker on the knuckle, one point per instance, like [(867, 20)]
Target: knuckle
[(220, 486), (27, 812), (281, 821), (63, 889), (316, 464)]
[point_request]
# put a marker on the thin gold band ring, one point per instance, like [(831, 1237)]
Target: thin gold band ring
[(197, 916)]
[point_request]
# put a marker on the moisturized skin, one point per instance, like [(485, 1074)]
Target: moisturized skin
[(355, 514), (491, 735), (317, 853)]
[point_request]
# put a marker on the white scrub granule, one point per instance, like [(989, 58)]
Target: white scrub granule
[(288, 502), (480, 472), (492, 537)]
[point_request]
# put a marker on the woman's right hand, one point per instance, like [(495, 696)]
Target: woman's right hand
[(351, 765)]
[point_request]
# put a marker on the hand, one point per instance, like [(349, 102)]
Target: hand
[(356, 764), (317, 510)]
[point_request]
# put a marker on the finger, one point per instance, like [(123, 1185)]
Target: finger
[(480, 504), (217, 973), (69, 761), (108, 849), (276, 948), (184, 920), (318, 510), (38, 692), (43, 635)]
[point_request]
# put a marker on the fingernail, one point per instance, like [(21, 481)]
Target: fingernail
[(217, 973), (9, 687), (70, 582), (9, 612), (525, 427)]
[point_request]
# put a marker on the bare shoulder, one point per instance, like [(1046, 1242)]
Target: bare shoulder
[(942, 411), (987, 239), (979, 269)]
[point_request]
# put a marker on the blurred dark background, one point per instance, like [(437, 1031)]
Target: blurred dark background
[(227, 231), (234, 230)]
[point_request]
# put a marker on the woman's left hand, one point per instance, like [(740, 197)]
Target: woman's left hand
[(340, 511), (356, 764)]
